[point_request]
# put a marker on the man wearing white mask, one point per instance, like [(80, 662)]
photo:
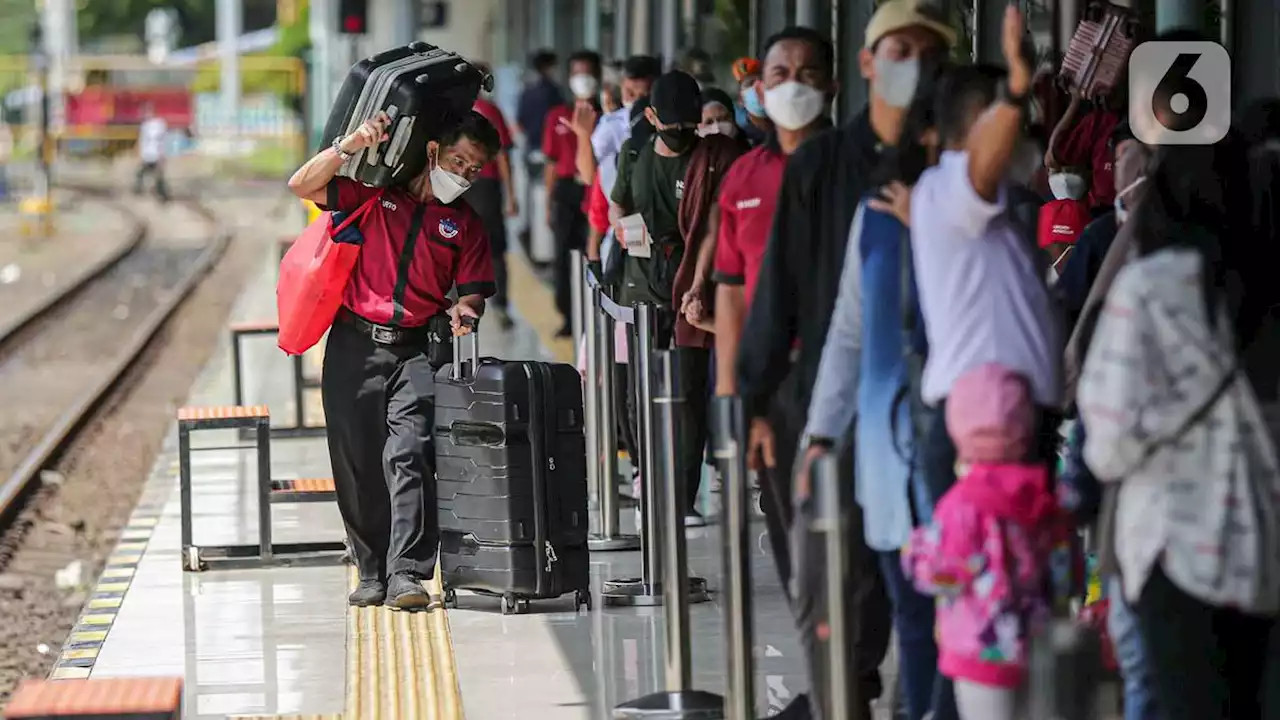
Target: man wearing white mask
[(794, 299), (565, 185), (418, 242)]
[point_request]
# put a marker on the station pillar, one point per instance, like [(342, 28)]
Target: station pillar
[(1254, 46), (622, 14), (851, 18), (1174, 14)]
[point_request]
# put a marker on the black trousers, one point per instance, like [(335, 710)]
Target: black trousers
[(379, 406), (486, 197), (569, 225), (866, 600), (1207, 661), (156, 171), (693, 364)]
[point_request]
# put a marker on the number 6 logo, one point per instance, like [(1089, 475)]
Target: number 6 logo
[(1179, 93)]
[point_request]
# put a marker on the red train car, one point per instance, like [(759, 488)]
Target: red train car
[(104, 105)]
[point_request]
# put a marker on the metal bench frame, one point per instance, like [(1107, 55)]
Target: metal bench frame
[(300, 427), (264, 553)]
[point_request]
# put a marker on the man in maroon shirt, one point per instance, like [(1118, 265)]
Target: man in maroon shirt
[(564, 189), (389, 338), (493, 198)]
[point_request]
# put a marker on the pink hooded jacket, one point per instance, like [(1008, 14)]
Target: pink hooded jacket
[(987, 558)]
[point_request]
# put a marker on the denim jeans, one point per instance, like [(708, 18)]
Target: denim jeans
[(923, 688), (1122, 625)]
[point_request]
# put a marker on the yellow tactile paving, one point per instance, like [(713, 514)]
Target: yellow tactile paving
[(401, 664), (334, 716), (537, 305)]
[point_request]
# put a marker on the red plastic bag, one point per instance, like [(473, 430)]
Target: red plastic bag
[(313, 276)]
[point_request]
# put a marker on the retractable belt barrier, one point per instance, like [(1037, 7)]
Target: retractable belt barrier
[(831, 520)]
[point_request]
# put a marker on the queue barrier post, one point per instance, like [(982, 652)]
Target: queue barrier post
[(577, 298), (678, 701), (602, 426), (591, 410), (646, 590), (729, 434), (832, 522)]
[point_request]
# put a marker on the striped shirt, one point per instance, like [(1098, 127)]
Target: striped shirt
[(1172, 420)]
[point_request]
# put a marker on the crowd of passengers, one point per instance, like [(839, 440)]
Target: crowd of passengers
[(1009, 331)]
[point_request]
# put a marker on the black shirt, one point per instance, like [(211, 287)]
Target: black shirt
[(800, 276)]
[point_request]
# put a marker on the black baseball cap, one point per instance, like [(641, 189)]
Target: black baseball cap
[(676, 99)]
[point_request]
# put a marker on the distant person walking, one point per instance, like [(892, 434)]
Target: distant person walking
[(151, 135)]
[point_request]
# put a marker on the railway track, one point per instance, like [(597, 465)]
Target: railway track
[(59, 362)]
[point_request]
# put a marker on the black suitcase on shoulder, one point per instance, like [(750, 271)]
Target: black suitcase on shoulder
[(511, 480), (425, 90)]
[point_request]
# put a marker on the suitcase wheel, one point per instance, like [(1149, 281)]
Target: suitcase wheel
[(581, 599), (512, 605), (450, 599)]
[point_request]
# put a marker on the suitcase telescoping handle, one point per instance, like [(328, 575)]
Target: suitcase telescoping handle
[(473, 340)]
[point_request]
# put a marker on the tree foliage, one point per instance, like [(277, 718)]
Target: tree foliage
[(294, 40)]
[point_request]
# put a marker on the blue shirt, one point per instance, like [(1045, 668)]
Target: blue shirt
[(535, 102), (862, 370), (606, 142)]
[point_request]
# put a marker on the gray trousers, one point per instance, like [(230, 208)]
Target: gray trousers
[(379, 408)]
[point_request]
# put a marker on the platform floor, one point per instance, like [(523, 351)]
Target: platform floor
[(273, 641)]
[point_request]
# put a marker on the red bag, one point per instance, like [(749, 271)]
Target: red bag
[(313, 275)]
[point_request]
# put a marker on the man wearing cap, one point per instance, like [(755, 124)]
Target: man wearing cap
[(795, 297), (672, 184)]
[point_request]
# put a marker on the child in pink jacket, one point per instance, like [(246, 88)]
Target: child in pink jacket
[(986, 556)]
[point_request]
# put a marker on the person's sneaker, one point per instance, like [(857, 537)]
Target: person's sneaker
[(404, 592), (693, 518), (565, 331), (367, 593)]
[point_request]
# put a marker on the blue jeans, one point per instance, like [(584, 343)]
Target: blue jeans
[(1131, 655), (923, 687)]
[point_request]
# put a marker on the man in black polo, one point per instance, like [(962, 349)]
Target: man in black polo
[(391, 335)]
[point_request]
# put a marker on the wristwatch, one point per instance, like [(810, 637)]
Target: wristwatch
[(337, 148), (1005, 95)]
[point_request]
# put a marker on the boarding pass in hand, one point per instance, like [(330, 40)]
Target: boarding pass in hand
[(635, 236)]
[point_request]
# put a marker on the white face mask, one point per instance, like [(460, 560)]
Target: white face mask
[(1066, 186), (724, 127), (583, 86), (1122, 212), (896, 80), (446, 186), (793, 105)]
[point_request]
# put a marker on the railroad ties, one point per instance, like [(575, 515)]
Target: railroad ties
[(255, 419)]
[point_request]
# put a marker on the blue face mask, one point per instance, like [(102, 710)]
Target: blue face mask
[(752, 103)]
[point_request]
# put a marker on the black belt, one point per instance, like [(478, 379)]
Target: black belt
[(385, 334)]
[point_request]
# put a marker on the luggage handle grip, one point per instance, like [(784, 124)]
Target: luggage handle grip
[(455, 372)]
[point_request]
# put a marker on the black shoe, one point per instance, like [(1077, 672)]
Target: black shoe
[(565, 332), (368, 592), (404, 592)]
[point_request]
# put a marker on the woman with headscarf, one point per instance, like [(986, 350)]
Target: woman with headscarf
[(717, 117)]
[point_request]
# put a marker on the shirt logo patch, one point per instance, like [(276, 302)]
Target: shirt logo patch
[(679, 189), (389, 205), (448, 228), (749, 203)]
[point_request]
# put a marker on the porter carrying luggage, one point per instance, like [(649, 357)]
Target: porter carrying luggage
[(424, 89), (1099, 49), (511, 480)]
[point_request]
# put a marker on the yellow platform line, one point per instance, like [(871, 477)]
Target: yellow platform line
[(332, 716), (536, 303), (401, 664)]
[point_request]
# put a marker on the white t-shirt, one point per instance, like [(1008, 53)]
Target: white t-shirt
[(151, 139), (983, 298)]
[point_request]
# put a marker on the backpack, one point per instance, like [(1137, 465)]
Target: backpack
[(665, 257)]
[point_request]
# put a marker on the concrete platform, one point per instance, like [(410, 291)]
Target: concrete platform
[(282, 641)]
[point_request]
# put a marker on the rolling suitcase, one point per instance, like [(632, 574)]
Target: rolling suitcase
[(511, 480), (1099, 49), (425, 90)]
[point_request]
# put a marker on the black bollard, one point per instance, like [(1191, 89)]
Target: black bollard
[(678, 701), (729, 438)]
